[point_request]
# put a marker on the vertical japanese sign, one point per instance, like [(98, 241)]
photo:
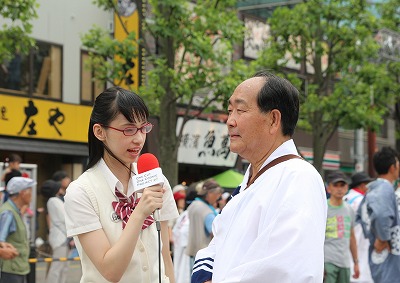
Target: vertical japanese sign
[(129, 15), (205, 143)]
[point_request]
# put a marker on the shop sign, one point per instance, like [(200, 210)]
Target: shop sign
[(205, 143), (43, 119)]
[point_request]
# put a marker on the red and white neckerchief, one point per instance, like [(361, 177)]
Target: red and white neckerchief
[(124, 207)]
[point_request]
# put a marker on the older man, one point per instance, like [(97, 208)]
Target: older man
[(13, 230), (273, 229)]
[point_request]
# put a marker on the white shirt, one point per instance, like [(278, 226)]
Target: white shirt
[(354, 198), (83, 216), (58, 231), (273, 231)]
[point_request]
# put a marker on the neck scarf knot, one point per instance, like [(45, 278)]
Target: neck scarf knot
[(124, 207)]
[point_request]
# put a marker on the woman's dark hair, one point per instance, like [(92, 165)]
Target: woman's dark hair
[(108, 105), (278, 93), (59, 175)]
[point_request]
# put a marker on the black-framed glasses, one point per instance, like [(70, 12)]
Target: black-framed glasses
[(130, 131)]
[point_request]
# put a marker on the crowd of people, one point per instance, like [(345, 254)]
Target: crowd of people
[(15, 215), (277, 226)]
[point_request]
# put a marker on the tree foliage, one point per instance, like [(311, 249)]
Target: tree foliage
[(332, 45), (15, 19), (390, 20), (189, 66)]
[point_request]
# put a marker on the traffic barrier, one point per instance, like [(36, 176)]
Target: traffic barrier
[(50, 259)]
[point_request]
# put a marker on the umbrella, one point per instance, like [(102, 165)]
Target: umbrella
[(229, 179)]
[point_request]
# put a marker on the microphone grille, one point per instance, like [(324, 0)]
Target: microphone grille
[(147, 162)]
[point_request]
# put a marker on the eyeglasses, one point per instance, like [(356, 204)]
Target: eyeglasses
[(130, 131)]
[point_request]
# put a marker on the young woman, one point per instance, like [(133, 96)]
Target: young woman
[(111, 224)]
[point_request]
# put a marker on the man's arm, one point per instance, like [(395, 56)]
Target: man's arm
[(7, 225), (203, 265), (353, 250), (380, 245)]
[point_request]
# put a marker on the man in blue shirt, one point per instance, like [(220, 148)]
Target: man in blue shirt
[(379, 217)]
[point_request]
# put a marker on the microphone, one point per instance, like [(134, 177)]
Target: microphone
[(149, 174)]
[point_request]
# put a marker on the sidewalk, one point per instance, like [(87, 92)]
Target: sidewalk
[(74, 272)]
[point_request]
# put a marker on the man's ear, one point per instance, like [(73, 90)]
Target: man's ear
[(99, 132), (275, 120), (394, 169)]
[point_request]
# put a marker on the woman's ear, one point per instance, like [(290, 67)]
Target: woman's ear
[(99, 132)]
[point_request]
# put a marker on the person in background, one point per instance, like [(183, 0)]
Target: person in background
[(2, 193), (379, 216), (12, 170), (111, 222), (62, 177), (339, 235), (7, 251), (58, 271), (201, 216), (179, 235), (179, 193), (272, 229), (397, 192), (358, 188), (13, 162), (222, 201), (13, 230)]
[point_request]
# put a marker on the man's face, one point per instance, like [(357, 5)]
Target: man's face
[(64, 185), (397, 169), (247, 125), (338, 189), (26, 195)]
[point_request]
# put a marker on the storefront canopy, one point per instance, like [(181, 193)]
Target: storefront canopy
[(229, 179)]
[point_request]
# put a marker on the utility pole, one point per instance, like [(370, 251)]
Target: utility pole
[(371, 140), (359, 150)]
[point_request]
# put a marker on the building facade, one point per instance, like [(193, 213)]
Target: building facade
[(46, 98)]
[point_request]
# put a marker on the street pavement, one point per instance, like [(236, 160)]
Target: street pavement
[(74, 272)]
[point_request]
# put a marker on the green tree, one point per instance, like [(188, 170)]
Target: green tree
[(195, 45), (333, 48), (390, 21), (16, 17)]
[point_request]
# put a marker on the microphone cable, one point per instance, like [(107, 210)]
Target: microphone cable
[(158, 226)]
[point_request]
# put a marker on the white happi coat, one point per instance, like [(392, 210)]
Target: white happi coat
[(273, 231)]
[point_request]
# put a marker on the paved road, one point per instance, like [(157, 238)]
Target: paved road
[(74, 272)]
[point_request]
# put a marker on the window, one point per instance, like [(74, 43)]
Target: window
[(45, 80), (90, 88)]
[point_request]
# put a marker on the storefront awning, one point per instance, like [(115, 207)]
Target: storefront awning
[(52, 147), (331, 159)]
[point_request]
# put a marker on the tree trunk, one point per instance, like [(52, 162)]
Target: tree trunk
[(319, 142), (168, 139), (318, 152), (168, 117)]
